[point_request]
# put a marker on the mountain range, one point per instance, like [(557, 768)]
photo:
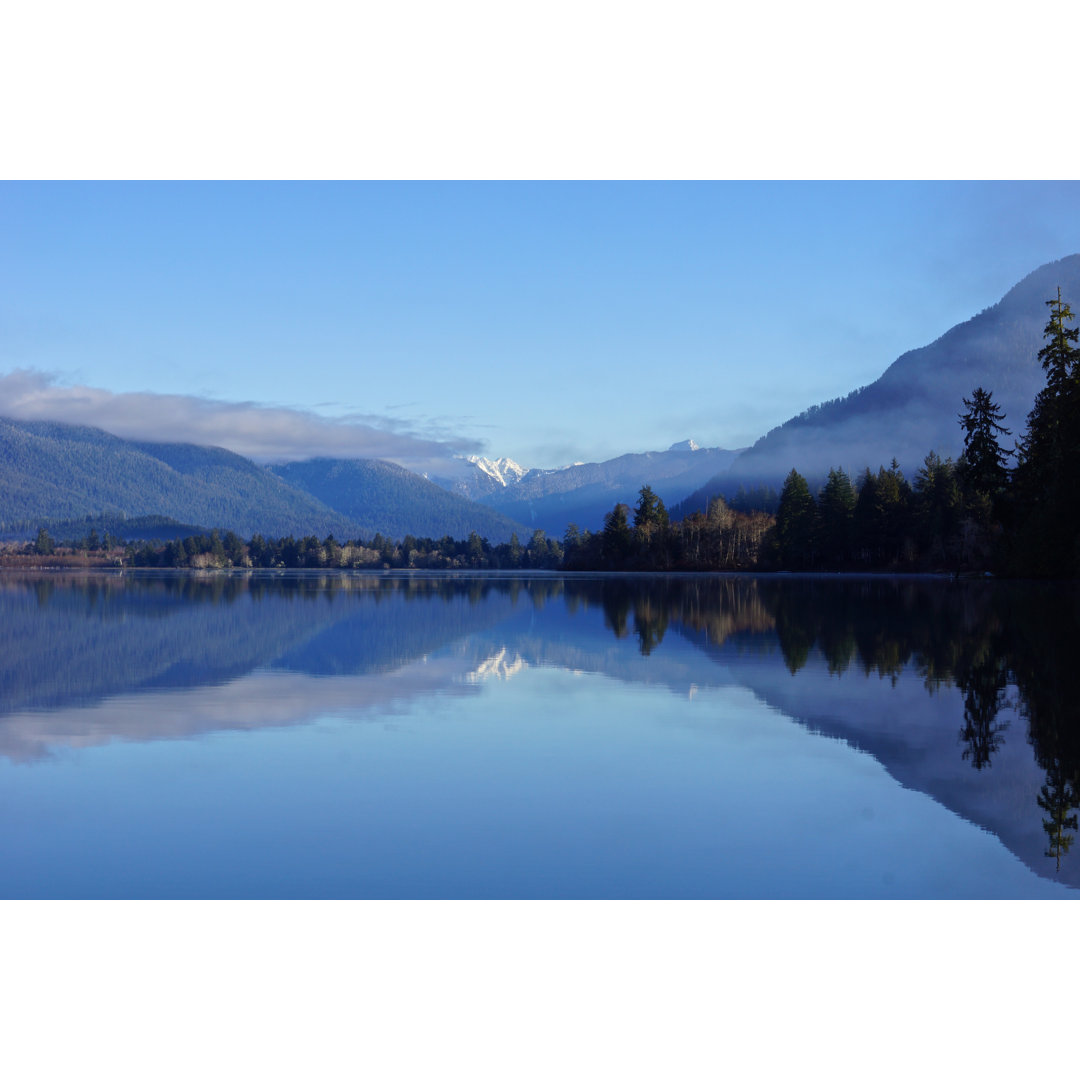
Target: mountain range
[(911, 409), (582, 493), (550, 499), (379, 496), (475, 476), (52, 472)]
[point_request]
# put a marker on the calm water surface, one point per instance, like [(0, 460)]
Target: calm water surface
[(497, 736)]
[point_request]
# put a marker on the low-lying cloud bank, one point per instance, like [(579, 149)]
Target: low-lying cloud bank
[(261, 432)]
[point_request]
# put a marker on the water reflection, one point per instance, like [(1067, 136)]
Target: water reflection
[(948, 684)]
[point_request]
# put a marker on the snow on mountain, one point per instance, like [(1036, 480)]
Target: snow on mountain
[(581, 492), (476, 476), (550, 499), (503, 471)]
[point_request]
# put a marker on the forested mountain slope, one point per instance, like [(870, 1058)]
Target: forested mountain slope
[(914, 406), (52, 471), (380, 497)]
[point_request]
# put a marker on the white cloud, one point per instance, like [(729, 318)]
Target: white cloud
[(262, 432)]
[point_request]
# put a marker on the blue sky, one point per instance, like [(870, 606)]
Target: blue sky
[(550, 322)]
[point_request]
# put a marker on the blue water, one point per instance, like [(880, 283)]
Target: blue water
[(391, 740)]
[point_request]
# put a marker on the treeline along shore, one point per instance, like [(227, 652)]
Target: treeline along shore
[(1013, 512)]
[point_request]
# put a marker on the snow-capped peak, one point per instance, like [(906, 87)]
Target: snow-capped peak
[(687, 446), (502, 470)]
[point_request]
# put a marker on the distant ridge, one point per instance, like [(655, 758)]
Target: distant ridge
[(914, 406), (381, 497), (551, 499), (54, 472), (61, 475)]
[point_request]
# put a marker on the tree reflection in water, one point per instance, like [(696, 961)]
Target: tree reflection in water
[(984, 688), (978, 636), (1003, 645)]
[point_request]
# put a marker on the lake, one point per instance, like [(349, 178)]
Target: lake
[(509, 736)]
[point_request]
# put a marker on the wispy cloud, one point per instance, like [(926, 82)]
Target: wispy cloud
[(262, 432)]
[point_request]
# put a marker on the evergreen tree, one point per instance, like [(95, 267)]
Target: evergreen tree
[(476, 550), (650, 513), (538, 549), (982, 468), (1043, 446), (867, 531), (617, 538), (260, 550), (44, 544), (983, 476), (883, 532), (1059, 356), (217, 548), (1048, 467), (936, 500), (894, 501), (796, 523), (234, 549), (836, 514), (652, 530)]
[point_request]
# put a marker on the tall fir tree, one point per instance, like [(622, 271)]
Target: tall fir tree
[(983, 466), (882, 515), (796, 523), (1048, 466), (1059, 356), (836, 515), (650, 513), (617, 538)]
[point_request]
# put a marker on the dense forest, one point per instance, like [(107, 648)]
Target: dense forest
[(973, 514), (723, 539), (995, 510), (53, 471), (54, 475), (217, 550), (976, 513)]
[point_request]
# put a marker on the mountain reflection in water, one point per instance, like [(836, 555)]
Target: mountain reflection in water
[(959, 689)]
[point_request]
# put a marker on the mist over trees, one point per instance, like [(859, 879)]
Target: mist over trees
[(991, 507), (1048, 457), (973, 513), (911, 408)]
